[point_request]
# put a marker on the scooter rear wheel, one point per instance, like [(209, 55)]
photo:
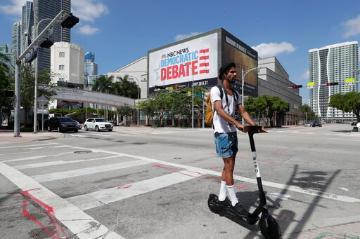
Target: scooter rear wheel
[(213, 204)]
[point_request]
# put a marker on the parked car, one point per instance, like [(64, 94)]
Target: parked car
[(354, 123), (315, 123), (78, 125), (61, 124), (97, 124)]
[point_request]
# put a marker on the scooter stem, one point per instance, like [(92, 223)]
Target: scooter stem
[(251, 132)]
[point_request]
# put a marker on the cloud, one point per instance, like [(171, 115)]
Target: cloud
[(273, 48), (183, 36), (352, 27), (14, 8), (88, 30), (88, 10)]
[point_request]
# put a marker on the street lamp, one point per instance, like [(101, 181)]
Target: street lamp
[(243, 75)]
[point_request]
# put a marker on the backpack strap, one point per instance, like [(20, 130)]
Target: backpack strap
[(221, 91)]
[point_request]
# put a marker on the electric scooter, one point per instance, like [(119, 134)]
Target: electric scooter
[(268, 225)]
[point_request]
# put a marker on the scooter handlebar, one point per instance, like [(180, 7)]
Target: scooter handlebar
[(255, 129)]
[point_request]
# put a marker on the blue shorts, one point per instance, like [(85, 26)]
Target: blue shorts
[(226, 144)]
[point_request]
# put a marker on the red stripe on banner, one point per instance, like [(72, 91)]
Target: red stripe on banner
[(204, 50), (204, 57), (204, 71), (203, 64)]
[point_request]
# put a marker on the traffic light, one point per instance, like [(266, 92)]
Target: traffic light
[(296, 86), (29, 57), (332, 83), (70, 21), (47, 43)]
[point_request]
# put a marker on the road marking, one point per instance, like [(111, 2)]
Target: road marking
[(87, 171), (37, 157), (106, 196), (60, 162), (77, 221), (24, 146), (244, 179)]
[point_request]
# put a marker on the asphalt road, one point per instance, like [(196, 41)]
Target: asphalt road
[(154, 183)]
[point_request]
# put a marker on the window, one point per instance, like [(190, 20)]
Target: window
[(61, 54), (61, 79), (61, 67)]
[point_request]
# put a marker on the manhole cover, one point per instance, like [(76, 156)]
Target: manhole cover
[(138, 143), (82, 152)]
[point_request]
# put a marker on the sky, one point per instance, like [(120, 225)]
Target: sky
[(120, 31)]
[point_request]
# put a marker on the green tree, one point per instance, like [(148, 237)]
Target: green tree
[(148, 107), (6, 84), (349, 102), (27, 88), (125, 111), (126, 88), (306, 113), (272, 108), (103, 84)]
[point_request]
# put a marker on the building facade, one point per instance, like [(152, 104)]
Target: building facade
[(332, 65), (44, 11), (27, 23), (136, 72), (67, 63), (16, 38), (91, 68), (274, 81)]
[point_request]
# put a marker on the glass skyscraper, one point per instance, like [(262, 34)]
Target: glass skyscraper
[(48, 9), (90, 68), (27, 23), (329, 64), (16, 39)]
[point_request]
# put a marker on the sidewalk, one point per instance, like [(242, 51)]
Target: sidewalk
[(7, 136)]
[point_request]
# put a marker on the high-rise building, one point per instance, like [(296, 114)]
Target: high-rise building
[(91, 68), (328, 65), (27, 23), (67, 63), (16, 39), (44, 11)]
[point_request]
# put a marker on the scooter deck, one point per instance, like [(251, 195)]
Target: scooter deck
[(222, 208)]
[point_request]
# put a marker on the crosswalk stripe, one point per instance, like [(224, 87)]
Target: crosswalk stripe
[(244, 179), (61, 162), (87, 171), (37, 157), (106, 196), (78, 222)]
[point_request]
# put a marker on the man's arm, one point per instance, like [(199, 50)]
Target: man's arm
[(221, 112), (246, 115)]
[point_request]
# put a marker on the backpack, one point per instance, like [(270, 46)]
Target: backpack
[(209, 114)]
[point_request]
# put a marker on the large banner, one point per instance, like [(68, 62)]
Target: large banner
[(189, 61)]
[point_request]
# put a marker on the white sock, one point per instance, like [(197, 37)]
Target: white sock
[(232, 195), (222, 193)]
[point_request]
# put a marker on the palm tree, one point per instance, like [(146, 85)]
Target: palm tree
[(103, 84)]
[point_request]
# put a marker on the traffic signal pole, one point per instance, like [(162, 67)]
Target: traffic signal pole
[(67, 21)]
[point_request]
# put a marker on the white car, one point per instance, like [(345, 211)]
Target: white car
[(98, 124)]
